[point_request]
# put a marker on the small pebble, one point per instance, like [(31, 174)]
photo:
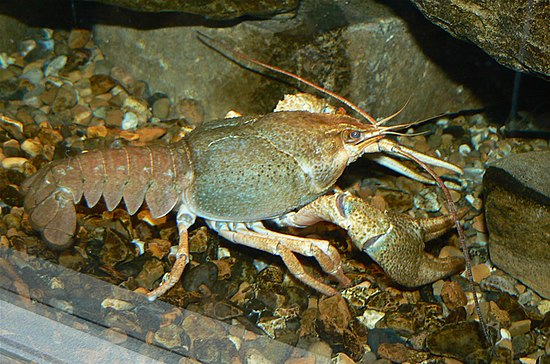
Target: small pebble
[(161, 108), (480, 272), (453, 295), (169, 336), (122, 76), (520, 327), (427, 200), (114, 335), (26, 46), (78, 38), (320, 348), (464, 150), (56, 283), (475, 202), (149, 134), (16, 163), (11, 148), (101, 84), (129, 121), (544, 307), (370, 318), (81, 115), (33, 75), (65, 98), (117, 304), (53, 68), (113, 118), (96, 131), (528, 361)]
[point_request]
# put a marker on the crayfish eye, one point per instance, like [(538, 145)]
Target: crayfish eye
[(352, 136)]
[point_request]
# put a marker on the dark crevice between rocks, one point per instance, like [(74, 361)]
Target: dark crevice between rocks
[(467, 64)]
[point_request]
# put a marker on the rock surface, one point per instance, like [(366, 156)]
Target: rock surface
[(517, 190), (8, 40), (353, 48), (214, 9), (514, 32)]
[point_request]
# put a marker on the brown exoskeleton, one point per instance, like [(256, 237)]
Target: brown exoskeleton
[(234, 173)]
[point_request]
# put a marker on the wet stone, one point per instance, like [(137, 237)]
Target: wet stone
[(334, 314), (270, 299), (453, 295), (11, 148), (518, 189), (169, 336), (398, 353), (190, 110), (126, 321), (159, 248), (55, 65), (117, 304), (122, 76), (116, 249), (151, 272), (10, 90), (500, 282), (115, 336), (33, 75), (72, 259), (130, 121), (520, 327), (64, 99), (206, 273), (270, 277), (76, 59), (161, 108), (523, 344), (101, 84), (198, 240), (456, 340)]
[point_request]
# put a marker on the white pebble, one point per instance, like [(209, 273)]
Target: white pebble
[(140, 245), (370, 318), (26, 46), (464, 150), (130, 121), (31, 147), (544, 307), (53, 68), (14, 163), (5, 60), (474, 201), (505, 334), (223, 253)]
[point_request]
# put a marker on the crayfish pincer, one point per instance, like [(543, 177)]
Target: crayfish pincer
[(234, 173)]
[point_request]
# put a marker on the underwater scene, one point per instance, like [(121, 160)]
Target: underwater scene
[(286, 181)]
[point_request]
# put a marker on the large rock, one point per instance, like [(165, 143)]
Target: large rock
[(214, 9), (514, 32), (9, 39), (375, 55), (517, 209)]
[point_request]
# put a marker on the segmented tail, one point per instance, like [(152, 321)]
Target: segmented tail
[(155, 173)]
